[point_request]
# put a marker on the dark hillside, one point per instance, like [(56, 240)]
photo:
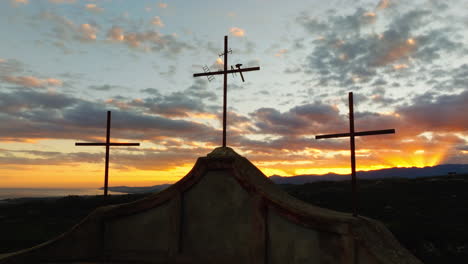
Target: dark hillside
[(26, 222), (427, 215)]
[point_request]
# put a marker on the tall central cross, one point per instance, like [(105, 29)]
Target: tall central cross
[(107, 144), (225, 72), (352, 134)]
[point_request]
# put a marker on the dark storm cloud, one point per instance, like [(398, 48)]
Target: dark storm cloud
[(152, 91), (300, 120), (29, 100), (200, 90), (176, 104), (139, 158), (289, 143), (11, 66), (150, 159), (447, 113), (11, 157), (35, 115), (449, 79), (104, 87)]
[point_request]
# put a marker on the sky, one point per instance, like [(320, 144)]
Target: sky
[(64, 63)]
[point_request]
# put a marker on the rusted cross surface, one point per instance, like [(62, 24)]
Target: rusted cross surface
[(107, 144), (225, 72), (352, 134)]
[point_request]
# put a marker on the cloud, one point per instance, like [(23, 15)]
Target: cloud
[(443, 113), (94, 8), (65, 29), (19, 2), (177, 104), (148, 41), (62, 1), (383, 4), (105, 87), (11, 67), (88, 32), (281, 52), (237, 32), (157, 21), (116, 34), (300, 120), (345, 52), (38, 115), (34, 157), (22, 101), (32, 82), (163, 5)]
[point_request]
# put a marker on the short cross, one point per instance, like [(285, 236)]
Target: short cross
[(225, 72), (352, 134), (107, 144)]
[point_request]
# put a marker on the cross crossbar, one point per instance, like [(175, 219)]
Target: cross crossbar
[(227, 72), (352, 134), (105, 144), (363, 133)]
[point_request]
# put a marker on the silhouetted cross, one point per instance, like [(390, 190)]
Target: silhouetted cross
[(107, 144), (352, 134), (225, 72)]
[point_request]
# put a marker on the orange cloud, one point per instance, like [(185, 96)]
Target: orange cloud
[(19, 2), (237, 32), (281, 52), (88, 32), (369, 17), (400, 66), (31, 81), (116, 34), (62, 1), (162, 5), (93, 8), (383, 4), (157, 21), (397, 51), (369, 14)]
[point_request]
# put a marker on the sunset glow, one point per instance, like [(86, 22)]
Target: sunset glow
[(65, 64)]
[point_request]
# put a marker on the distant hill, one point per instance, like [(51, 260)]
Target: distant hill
[(411, 173), (135, 190)]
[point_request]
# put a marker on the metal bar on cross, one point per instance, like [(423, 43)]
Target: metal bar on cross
[(225, 72), (352, 134), (107, 144)]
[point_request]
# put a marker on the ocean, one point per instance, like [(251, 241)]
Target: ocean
[(10, 193)]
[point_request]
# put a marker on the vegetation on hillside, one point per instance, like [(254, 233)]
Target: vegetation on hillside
[(427, 215)]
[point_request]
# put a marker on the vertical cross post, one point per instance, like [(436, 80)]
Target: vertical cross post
[(353, 153), (106, 173), (225, 89), (352, 134), (225, 72), (107, 144)]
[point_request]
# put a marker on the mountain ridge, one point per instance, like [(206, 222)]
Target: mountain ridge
[(410, 173)]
